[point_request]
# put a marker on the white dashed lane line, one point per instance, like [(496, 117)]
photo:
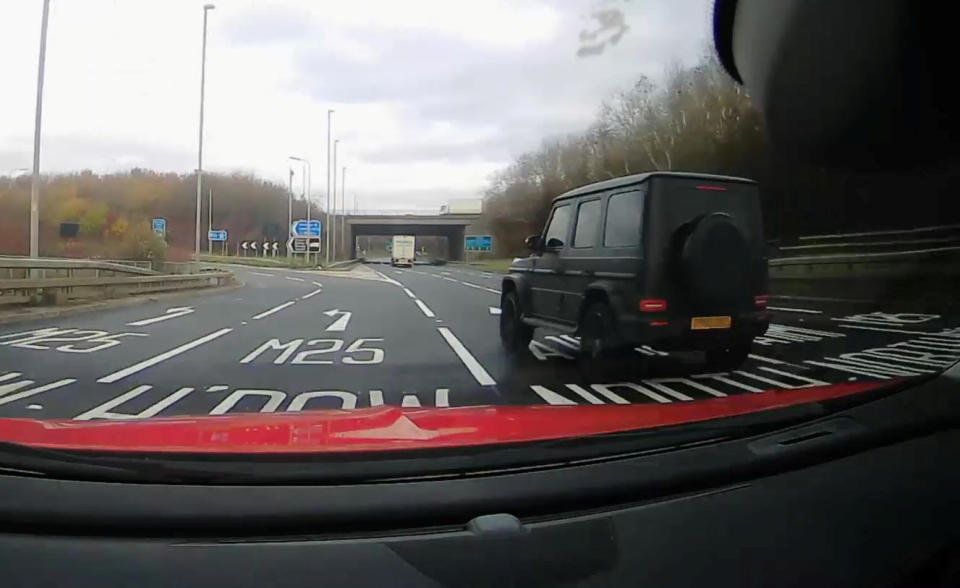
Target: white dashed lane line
[(767, 359), (292, 279), (409, 293), (469, 361), (138, 367), (479, 287), (273, 310), (800, 310), (311, 294), (264, 275), (423, 307)]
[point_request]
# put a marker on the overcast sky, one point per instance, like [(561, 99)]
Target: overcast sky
[(431, 96)]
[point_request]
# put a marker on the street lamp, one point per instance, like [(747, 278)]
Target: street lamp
[(289, 210), (343, 210), (329, 127), (35, 181), (305, 182), (203, 74), (305, 188), (336, 142)]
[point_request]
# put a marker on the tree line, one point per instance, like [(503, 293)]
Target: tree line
[(114, 211), (698, 119)]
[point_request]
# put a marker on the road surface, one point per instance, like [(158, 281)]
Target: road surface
[(426, 336)]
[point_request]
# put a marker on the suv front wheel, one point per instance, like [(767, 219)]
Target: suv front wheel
[(514, 334)]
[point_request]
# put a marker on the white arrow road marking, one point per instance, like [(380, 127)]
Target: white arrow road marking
[(171, 313), (341, 323), (137, 367), (494, 310)]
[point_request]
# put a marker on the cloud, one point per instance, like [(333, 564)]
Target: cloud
[(263, 26), (431, 96), (71, 152)]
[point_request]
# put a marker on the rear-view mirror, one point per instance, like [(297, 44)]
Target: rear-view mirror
[(534, 243)]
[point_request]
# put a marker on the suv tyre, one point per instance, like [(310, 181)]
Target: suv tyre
[(515, 336)]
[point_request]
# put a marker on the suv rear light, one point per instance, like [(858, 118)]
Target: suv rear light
[(712, 188), (653, 305), (761, 301)]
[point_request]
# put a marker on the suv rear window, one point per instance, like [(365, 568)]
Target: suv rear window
[(624, 219)]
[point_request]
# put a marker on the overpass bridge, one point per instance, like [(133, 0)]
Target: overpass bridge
[(451, 226)]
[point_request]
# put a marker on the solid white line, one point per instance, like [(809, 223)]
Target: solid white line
[(295, 279), (886, 330), (409, 293), (424, 308), (767, 359), (314, 293), (137, 367), (388, 279), (259, 274), (273, 310), (804, 310), (478, 287), (479, 374)]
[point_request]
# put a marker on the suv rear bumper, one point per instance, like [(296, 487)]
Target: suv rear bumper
[(676, 334)]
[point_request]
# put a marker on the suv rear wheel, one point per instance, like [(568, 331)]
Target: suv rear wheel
[(726, 359), (515, 336)]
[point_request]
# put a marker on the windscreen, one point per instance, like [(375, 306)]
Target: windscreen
[(364, 226)]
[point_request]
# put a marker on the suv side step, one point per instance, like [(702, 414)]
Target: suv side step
[(539, 322)]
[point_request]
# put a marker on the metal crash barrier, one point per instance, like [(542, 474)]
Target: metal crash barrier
[(59, 281)]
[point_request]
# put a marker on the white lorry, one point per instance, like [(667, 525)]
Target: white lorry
[(403, 250)]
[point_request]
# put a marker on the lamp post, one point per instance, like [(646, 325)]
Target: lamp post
[(35, 180), (203, 74), (336, 143), (289, 208), (343, 209), (329, 127)]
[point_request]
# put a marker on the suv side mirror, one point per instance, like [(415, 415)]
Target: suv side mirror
[(534, 243)]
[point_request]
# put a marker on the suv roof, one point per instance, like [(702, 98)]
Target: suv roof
[(638, 178)]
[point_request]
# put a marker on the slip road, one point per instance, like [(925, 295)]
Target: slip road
[(422, 337)]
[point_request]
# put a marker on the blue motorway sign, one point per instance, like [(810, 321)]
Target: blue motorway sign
[(478, 243), (159, 226), (220, 235), (305, 228)]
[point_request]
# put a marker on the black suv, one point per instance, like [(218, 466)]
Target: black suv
[(671, 260)]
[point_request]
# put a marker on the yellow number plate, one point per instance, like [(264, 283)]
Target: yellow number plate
[(710, 322)]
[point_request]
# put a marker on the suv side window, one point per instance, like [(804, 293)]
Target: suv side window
[(588, 224), (557, 229), (624, 219)]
